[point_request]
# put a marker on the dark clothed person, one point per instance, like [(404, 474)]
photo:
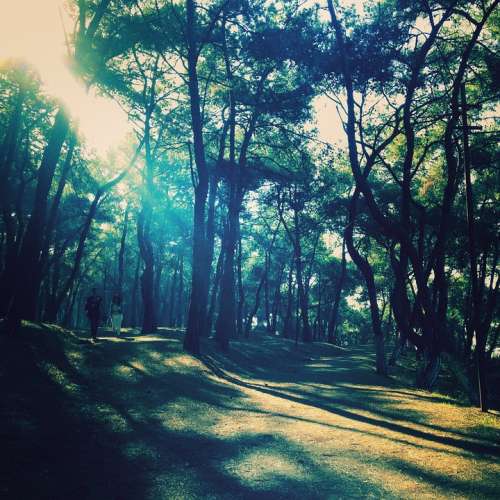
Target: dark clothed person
[(93, 310)]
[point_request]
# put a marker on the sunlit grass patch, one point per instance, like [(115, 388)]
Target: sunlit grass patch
[(181, 361), (138, 365), (124, 370), (265, 466), (109, 416), (60, 377)]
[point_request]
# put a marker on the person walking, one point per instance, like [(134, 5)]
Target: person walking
[(116, 314), (93, 310)]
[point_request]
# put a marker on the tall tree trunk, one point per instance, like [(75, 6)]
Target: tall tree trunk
[(26, 293), (366, 270), (68, 314), (225, 326), (241, 291), (134, 298), (215, 291), (210, 242), (267, 305), (287, 323), (121, 253), (144, 222), (50, 313), (297, 314), (179, 318), (277, 300), (171, 309), (157, 290), (147, 275), (317, 321), (303, 296), (475, 291), (197, 311), (332, 324), (165, 303), (54, 208)]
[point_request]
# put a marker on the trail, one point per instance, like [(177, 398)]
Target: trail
[(136, 417)]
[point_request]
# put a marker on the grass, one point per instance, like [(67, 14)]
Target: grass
[(136, 417)]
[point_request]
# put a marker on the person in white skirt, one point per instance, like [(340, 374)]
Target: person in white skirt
[(116, 313)]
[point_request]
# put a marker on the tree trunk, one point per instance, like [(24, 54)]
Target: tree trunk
[(475, 291), (68, 315), (297, 315), (157, 291), (364, 266), (54, 208), (26, 292), (277, 300), (267, 305), (287, 323), (197, 304), (303, 296), (171, 309), (241, 291), (134, 299), (225, 327), (180, 296), (147, 284), (121, 253), (332, 324), (210, 242), (215, 290), (50, 313)]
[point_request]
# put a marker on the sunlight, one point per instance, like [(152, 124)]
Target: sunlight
[(32, 31), (258, 465), (328, 121), (237, 259)]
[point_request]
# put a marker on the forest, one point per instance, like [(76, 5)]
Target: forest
[(228, 223)]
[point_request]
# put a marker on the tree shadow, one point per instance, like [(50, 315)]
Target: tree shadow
[(344, 408), (71, 434), (325, 369), (129, 420), (454, 486)]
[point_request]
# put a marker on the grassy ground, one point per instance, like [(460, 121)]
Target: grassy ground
[(135, 418)]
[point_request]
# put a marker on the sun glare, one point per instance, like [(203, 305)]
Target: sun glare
[(32, 30)]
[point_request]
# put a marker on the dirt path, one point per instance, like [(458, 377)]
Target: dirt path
[(136, 418)]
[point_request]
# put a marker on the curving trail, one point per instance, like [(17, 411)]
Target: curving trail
[(137, 418)]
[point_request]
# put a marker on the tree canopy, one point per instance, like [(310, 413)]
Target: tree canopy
[(226, 214)]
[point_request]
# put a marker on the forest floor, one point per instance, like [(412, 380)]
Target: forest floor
[(137, 418)]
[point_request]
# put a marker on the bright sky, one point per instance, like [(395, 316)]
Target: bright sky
[(32, 30)]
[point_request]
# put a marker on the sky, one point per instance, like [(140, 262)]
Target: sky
[(32, 30)]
